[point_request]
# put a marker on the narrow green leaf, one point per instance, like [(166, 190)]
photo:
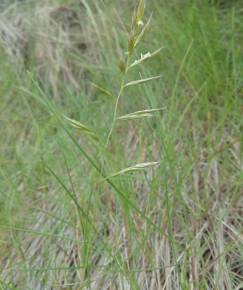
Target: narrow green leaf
[(81, 127), (102, 90), (112, 184)]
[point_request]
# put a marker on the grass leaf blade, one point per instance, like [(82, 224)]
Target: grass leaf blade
[(142, 81), (140, 114)]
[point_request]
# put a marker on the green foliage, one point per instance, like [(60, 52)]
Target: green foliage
[(139, 186)]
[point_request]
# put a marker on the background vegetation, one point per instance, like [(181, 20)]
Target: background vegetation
[(158, 204)]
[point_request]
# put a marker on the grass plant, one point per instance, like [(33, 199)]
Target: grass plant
[(121, 147)]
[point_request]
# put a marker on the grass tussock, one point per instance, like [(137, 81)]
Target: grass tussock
[(121, 156)]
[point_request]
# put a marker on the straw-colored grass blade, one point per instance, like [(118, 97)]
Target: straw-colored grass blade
[(140, 114), (134, 116), (145, 57), (142, 81), (137, 167)]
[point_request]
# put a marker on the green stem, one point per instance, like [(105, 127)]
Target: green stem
[(118, 99)]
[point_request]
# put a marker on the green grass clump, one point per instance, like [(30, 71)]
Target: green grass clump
[(121, 162)]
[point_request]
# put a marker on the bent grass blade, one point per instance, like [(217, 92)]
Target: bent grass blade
[(81, 127)]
